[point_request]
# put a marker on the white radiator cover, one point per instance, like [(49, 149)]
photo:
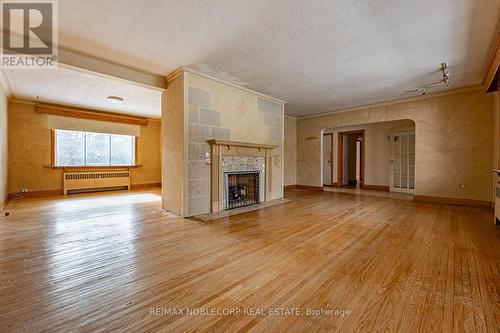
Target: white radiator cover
[(95, 180)]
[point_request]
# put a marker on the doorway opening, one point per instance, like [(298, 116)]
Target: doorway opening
[(375, 156), (351, 166)]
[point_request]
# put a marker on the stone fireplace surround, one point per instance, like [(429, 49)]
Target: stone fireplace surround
[(228, 156)]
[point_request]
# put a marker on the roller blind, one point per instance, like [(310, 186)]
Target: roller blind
[(87, 125)]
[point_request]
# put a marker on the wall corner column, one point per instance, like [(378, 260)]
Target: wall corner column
[(173, 143)]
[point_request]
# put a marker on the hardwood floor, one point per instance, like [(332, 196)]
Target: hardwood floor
[(116, 262)]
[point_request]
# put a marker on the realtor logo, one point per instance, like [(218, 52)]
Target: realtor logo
[(29, 34)]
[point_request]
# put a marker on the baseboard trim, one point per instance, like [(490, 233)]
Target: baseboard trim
[(35, 194), (51, 193), (311, 188), (289, 187), (142, 186), (453, 201), (375, 187)]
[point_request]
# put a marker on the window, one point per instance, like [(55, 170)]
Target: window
[(74, 148)]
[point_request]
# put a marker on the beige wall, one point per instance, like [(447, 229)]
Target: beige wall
[(30, 152), (290, 151), (148, 155), (454, 142), (221, 111), (3, 147), (377, 149)]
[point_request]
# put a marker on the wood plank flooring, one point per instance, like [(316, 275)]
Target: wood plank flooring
[(117, 262)]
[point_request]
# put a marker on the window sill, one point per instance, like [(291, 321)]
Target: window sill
[(92, 168)]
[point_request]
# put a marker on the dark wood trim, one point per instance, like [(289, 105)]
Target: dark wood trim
[(143, 186), (136, 150), (52, 147), (311, 188), (453, 201), (375, 187), (89, 114), (331, 157), (362, 157), (340, 143), (289, 187)]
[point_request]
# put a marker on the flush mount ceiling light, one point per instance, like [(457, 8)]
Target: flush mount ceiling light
[(115, 99), (444, 82)]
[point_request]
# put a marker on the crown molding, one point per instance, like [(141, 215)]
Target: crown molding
[(22, 101), (174, 74), (81, 61), (190, 70), (493, 66), (456, 91), (291, 117)]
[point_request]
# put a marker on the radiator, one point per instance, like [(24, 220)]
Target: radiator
[(95, 180)]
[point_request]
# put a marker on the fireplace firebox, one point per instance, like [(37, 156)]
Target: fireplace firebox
[(242, 189)]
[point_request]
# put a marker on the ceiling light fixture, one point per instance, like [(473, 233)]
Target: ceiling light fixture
[(115, 99), (444, 82)]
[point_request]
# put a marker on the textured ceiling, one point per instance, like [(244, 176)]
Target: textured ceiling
[(69, 87), (318, 55)]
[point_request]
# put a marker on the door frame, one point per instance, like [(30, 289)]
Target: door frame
[(340, 164), (331, 159)]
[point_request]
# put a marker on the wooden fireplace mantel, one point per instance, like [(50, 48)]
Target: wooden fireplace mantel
[(241, 144), (222, 148)]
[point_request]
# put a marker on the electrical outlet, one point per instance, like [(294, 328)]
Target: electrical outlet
[(462, 186)]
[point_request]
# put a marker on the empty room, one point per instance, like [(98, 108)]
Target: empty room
[(263, 166)]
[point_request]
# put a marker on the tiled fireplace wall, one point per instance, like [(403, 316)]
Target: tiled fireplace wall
[(204, 123)]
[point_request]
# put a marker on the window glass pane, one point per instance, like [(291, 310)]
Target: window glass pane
[(122, 150), (70, 148), (97, 149), (73, 148)]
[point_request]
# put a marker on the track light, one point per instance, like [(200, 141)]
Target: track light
[(444, 82)]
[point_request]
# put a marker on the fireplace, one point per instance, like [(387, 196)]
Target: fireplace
[(242, 189), (241, 174)]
